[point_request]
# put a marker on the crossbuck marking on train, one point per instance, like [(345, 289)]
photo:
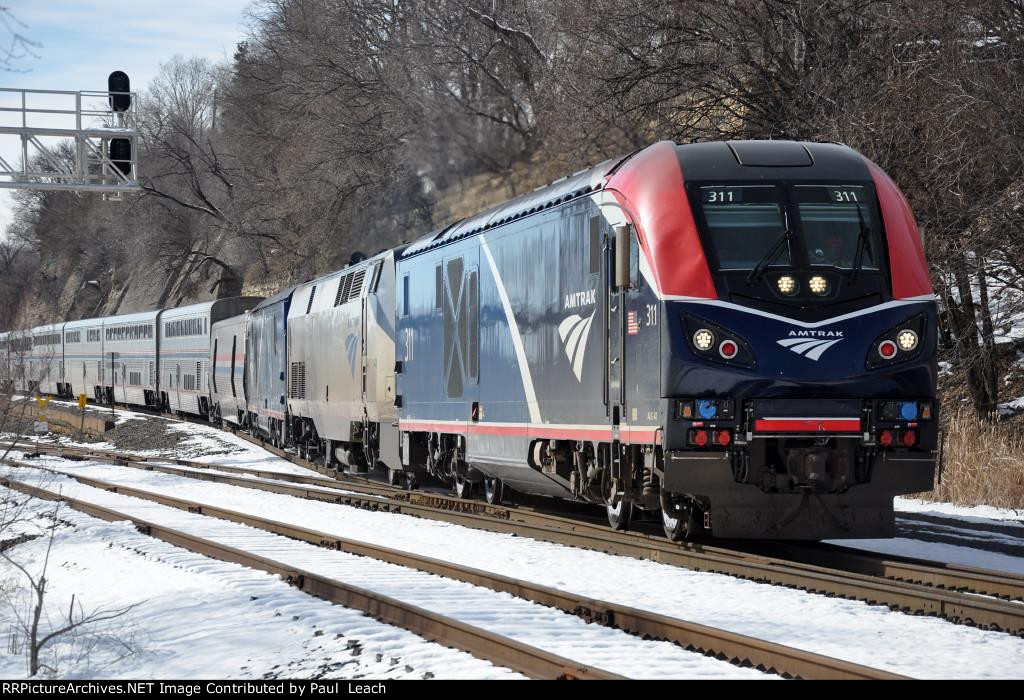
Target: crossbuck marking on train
[(574, 331), (810, 348)]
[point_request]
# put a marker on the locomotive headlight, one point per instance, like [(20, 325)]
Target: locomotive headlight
[(818, 284), (703, 339), (712, 343), (901, 343), (787, 285), (907, 340)]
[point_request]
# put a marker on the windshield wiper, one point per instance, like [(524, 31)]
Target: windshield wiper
[(863, 245), (770, 256)]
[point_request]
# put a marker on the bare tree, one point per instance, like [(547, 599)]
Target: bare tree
[(36, 628), (18, 46)]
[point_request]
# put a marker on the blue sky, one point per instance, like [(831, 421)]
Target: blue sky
[(83, 41)]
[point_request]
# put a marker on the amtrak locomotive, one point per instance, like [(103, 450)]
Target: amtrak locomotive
[(739, 336)]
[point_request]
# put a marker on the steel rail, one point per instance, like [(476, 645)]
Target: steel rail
[(737, 648), (952, 577), (902, 595), (502, 651)]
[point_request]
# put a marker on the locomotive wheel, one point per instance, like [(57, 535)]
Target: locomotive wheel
[(494, 490), (463, 486), (620, 515), (678, 518), (396, 477)]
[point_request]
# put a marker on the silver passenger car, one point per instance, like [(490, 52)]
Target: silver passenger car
[(184, 351), (46, 361), (341, 364), (266, 356), (128, 365), (227, 369), (19, 352), (83, 358)]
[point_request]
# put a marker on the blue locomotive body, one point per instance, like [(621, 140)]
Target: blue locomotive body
[(740, 337)]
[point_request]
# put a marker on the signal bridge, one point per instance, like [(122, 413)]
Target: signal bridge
[(84, 141)]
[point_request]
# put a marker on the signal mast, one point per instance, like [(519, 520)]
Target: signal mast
[(85, 141)]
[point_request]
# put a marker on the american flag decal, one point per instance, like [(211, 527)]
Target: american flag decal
[(632, 324)]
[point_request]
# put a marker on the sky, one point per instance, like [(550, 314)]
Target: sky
[(83, 41)]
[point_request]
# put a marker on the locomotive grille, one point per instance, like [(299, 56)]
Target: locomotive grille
[(357, 284), (297, 385), (342, 294), (350, 287)]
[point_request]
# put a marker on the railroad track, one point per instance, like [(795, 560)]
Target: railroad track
[(528, 660), (739, 649), (959, 594)]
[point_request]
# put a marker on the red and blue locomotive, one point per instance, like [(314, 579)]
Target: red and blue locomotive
[(739, 335)]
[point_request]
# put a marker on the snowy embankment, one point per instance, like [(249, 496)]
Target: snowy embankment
[(915, 646), (527, 622), (977, 536), (195, 617)]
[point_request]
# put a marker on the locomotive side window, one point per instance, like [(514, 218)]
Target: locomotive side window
[(375, 280), (595, 244), (744, 223), (837, 222)]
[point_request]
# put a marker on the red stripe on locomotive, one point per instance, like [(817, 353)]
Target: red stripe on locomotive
[(650, 187), (906, 254)]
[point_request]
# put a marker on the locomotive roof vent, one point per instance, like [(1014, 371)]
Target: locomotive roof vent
[(771, 154)]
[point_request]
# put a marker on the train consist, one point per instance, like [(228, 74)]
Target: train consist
[(739, 336)]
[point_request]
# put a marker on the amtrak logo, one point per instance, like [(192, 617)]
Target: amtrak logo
[(574, 331), (811, 344)]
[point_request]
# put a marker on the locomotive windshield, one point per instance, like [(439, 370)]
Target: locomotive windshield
[(829, 226), (744, 224), (836, 224)]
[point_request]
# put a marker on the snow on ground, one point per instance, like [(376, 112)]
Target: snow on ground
[(1010, 408), (981, 515), (973, 536), (870, 635), (197, 441), (940, 552), (195, 617), (976, 536), (501, 613)]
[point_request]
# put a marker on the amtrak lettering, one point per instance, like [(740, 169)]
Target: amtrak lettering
[(574, 300), (815, 334)]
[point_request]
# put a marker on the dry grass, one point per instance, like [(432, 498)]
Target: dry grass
[(984, 462)]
